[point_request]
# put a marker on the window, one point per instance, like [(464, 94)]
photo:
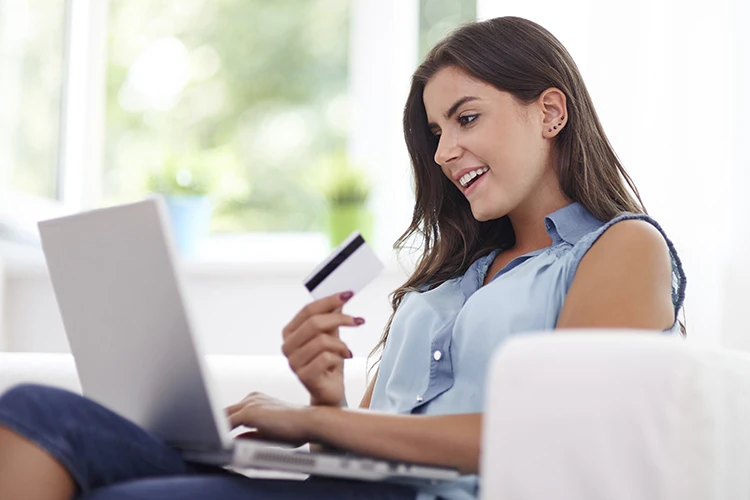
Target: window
[(252, 95), (259, 95), (31, 65)]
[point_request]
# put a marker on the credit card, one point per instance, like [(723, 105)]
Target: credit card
[(350, 267)]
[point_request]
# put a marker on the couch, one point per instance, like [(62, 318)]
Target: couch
[(577, 415)]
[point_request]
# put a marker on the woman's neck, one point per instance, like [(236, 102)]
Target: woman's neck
[(528, 221)]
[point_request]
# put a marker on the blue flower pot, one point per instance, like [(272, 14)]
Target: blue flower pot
[(190, 217)]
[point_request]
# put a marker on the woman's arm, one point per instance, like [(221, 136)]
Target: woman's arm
[(623, 281), (363, 405), (447, 440), (444, 440)]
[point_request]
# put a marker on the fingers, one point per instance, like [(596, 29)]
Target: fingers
[(229, 410), (312, 349), (247, 399), (236, 419), (321, 364), (321, 306), (314, 326)]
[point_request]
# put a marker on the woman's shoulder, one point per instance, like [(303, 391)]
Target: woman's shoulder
[(626, 229), (628, 234)]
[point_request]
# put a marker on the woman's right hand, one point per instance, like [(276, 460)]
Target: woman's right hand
[(315, 352)]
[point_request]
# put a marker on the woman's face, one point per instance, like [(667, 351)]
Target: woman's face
[(485, 133)]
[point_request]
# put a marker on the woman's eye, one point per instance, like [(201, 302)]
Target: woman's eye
[(467, 119)]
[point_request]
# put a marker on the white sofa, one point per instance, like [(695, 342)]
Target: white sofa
[(573, 416)]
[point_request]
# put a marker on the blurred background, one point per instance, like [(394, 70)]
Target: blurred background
[(274, 128)]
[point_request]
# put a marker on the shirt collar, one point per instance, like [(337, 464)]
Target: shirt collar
[(570, 223)]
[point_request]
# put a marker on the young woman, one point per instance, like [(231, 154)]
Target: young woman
[(526, 221)]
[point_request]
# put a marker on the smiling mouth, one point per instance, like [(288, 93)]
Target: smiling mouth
[(471, 177)]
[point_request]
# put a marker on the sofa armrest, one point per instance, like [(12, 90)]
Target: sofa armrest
[(580, 415)]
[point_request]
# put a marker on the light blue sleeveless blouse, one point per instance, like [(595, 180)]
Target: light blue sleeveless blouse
[(441, 341)]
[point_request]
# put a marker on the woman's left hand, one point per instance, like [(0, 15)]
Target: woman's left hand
[(274, 420)]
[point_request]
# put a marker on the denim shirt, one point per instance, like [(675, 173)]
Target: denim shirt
[(441, 340)]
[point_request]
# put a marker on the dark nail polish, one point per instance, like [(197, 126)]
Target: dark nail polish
[(351, 354), (346, 296), (359, 321)]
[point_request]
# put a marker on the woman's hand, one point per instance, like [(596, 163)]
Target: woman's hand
[(273, 419), (315, 352)]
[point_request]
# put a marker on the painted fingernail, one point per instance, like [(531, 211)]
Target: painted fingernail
[(346, 296), (359, 321), (351, 354)]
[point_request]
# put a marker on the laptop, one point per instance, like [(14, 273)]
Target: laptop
[(120, 295)]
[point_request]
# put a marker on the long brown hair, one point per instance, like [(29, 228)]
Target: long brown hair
[(522, 58)]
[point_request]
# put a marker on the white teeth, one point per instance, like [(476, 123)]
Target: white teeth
[(464, 180)]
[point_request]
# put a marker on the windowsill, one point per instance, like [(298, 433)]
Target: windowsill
[(269, 254)]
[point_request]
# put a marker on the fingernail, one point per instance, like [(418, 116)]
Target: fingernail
[(346, 296), (351, 354), (359, 321)]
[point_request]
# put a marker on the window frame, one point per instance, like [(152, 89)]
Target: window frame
[(81, 121)]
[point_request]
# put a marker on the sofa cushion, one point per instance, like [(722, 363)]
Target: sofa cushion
[(232, 377)]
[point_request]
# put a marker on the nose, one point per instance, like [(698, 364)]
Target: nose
[(447, 149)]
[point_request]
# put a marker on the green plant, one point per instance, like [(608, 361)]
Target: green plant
[(344, 184)]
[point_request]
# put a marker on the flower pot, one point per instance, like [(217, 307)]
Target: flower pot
[(190, 217), (343, 219)]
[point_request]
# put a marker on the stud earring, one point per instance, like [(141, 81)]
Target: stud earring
[(558, 125)]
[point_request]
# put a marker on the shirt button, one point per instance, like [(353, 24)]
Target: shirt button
[(420, 399), (437, 355)]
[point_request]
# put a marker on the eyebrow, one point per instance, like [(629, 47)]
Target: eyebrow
[(454, 108)]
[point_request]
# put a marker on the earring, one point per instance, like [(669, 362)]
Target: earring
[(558, 125)]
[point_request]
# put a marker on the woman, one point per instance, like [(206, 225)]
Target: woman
[(526, 222)]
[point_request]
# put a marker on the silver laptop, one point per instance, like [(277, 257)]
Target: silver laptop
[(120, 297)]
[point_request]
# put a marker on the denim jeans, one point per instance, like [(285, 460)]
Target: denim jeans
[(111, 458)]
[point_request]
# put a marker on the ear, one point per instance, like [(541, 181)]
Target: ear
[(552, 103)]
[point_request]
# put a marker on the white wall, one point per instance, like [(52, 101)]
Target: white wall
[(236, 308), (736, 271), (666, 76)]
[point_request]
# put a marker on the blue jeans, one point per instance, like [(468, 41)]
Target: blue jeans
[(111, 458)]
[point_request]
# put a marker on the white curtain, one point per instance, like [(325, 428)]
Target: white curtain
[(667, 79)]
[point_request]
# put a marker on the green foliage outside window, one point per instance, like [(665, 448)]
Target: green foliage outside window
[(438, 17), (250, 93), (341, 182)]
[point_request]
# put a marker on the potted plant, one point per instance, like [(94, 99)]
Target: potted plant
[(346, 192), (185, 183)]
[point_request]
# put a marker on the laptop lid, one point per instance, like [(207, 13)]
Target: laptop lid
[(121, 301)]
